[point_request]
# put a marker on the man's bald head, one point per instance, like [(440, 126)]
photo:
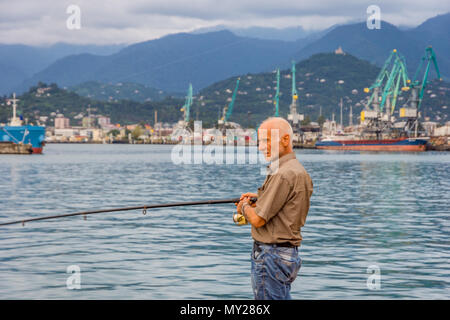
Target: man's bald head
[(283, 134), (278, 123)]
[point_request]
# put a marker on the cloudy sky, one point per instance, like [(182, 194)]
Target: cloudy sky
[(44, 22)]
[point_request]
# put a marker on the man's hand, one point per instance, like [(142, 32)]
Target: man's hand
[(239, 206), (251, 216), (245, 197), (249, 195)]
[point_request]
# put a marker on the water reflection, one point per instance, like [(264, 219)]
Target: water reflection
[(385, 209)]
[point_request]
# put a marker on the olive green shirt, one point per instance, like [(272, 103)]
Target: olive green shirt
[(283, 202)]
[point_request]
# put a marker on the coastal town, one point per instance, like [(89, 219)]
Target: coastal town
[(99, 129)]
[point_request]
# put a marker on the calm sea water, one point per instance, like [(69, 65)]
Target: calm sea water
[(368, 209)]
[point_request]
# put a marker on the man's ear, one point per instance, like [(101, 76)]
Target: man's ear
[(286, 139)]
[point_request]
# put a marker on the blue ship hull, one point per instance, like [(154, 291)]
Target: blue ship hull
[(34, 135)]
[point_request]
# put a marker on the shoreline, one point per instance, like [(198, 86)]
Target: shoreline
[(440, 148)]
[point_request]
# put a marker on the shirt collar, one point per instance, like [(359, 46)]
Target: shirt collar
[(279, 162)]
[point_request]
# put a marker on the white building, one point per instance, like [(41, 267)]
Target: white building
[(67, 132), (430, 126), (62, 123), (442, 131), (104, 121)]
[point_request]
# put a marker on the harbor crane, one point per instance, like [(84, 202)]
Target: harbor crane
[(277, 94), (411, 113), (294, 117), (392, 89), (430, 57), (378, 112), (228, 109), (375, 88), (182, 131), (387, 84), (186, 109)]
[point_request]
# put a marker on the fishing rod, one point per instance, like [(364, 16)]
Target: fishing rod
[(144, 210)]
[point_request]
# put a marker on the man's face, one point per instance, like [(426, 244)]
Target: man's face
[(268, 142)]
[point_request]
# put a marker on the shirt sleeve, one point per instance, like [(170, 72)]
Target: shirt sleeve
[(273, 197)]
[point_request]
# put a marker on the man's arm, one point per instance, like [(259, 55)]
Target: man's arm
[(250, 215)]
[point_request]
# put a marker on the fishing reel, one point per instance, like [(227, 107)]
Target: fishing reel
[(238, 218)]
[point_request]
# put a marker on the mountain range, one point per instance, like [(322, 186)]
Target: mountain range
[(19, 62), (375, 45), (172, 62), (321, 81), (267, 33)]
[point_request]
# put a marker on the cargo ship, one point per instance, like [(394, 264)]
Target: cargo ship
[(16, 138), (398, 144)]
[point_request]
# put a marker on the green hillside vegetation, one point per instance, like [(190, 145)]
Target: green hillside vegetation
[(32, 105), (121, 91), (172, 62), (321, 82)]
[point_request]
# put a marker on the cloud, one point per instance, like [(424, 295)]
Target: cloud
[(117, 21)]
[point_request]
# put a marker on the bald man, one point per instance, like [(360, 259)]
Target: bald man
[(278, 215)]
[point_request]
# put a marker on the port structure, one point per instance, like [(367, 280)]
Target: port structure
[(410, 112), (294, 118), (186, 109), (15, 121), (223, 122), (182, 131), (378, 114), (277, 95), (377, 117)]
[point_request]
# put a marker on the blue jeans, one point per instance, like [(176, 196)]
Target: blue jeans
[(273, 270)]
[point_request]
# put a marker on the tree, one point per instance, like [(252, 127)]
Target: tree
[(321, 120), (114, 132), (306, 121), (137, 132)]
